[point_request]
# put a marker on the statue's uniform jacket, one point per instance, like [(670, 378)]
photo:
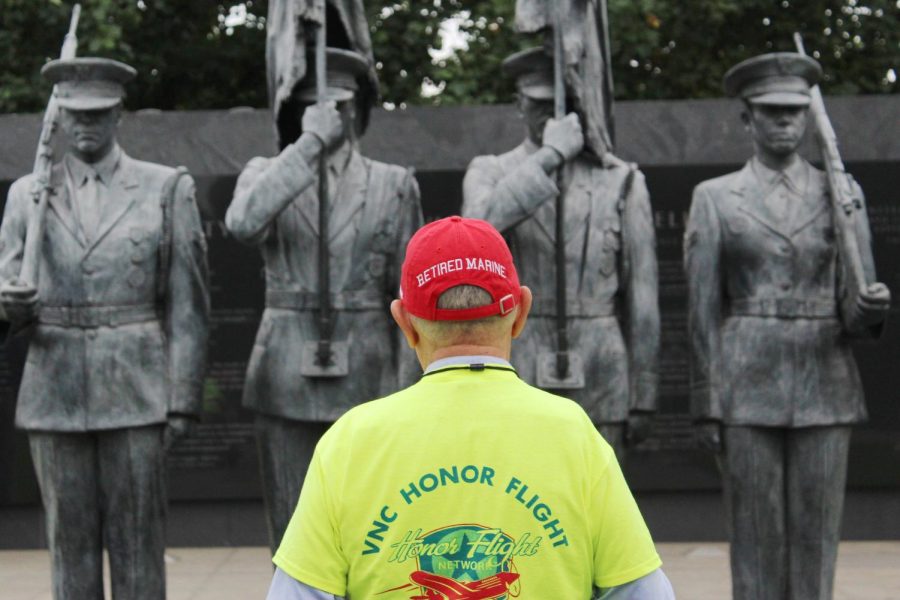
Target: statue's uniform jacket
[(767, 310), (613, 309), (115, 372), (374, 211)]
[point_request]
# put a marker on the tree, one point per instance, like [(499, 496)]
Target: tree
[(187, 54), (665, 49), (206, 55)]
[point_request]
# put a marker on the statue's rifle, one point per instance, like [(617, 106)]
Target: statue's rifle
[(43, 165), (559, 112), (846, 205)]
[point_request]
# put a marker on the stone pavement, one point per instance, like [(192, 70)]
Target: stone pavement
[(699, 571)]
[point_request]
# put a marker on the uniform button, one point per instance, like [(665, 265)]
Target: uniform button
[(87, 268), (92, 334), (785, 285), (785, 249)]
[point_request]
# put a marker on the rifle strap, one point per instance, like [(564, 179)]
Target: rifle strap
[(167, 203), (622, 206)]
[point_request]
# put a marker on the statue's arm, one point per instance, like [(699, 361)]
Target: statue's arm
[(507, 199), (641, 300), (267, 187), (861, 319), (411, 220), (187, 303), (12, 230), (702, 260), (12, 234)]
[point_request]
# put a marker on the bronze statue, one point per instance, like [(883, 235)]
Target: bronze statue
[(772, 311), (607, 304), (319, 354), (117, 310)]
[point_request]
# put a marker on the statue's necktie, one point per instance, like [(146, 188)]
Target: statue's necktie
[(89, 203)]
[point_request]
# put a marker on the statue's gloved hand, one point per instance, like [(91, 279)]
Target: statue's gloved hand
[(178, 426), (324, 122), (872, 305), (709, 436), (20, 302), (564, 135), (638, 427)]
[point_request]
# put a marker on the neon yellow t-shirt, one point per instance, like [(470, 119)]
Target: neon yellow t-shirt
[(469, 484)]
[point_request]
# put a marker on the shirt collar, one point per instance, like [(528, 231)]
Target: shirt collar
[(794, 176), (104, 168), (465, 361)]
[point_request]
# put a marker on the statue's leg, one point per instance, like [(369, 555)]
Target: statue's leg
[(816, 476), (65, 464), (753, 473), (614, 434), (132, 487), (285, 449)]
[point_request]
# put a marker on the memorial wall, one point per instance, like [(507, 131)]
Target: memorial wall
[(676, 143)]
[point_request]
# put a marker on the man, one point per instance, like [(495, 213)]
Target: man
[(774, 384), (611, 273), (470, 483), (118, 345), (374, 208)]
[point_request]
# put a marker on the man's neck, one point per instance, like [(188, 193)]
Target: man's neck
[(428, 356), (776, 162), (93, 158)]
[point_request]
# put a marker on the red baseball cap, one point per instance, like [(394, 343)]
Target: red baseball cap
[(457, 251)]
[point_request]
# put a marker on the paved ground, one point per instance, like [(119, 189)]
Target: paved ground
[(866, 571)]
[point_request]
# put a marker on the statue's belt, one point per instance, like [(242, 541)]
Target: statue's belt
[(821, 308), (348, 300), (87, 317), (545, 306)]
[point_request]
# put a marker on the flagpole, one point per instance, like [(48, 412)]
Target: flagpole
[(559, 101), (323, 353)]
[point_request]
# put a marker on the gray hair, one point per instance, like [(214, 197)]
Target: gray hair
[(473, 331)]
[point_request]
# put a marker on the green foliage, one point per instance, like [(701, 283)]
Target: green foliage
[(190, 55), (666, 49), (406, 37), (186, 56)]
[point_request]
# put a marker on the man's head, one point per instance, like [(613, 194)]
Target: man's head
[(89, 92), (775, 89), (345, 69), (459, 291), (533, 71)]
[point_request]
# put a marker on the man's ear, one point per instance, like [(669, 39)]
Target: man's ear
[(522, 313), (401, 317), (746, 115)]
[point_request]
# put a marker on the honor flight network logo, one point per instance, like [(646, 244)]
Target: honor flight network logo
[(463, 562)]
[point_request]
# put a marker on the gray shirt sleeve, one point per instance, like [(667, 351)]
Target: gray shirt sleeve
[(653, 586), (285, 587)]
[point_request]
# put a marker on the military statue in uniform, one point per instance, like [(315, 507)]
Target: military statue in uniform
[(611, 306), (374, 211), (774, 385), (118, 320)]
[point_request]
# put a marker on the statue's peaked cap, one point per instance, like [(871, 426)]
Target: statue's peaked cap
[(781, 78), (533, 71), (88, 83), (343, 68)]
